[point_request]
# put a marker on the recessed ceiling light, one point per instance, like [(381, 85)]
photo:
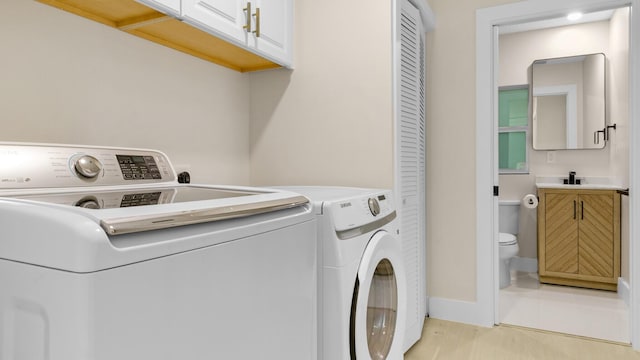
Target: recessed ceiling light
[(574, 16)]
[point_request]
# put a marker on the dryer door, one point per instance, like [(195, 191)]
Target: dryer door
[(378, 310)]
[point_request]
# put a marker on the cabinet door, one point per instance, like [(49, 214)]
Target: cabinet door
[(275, 23), (171, 7), (596, 249), (223, 18), (561, 234)]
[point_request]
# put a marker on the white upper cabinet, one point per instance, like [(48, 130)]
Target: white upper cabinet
[(224, 18), (220, 31), (273, 28), (171, 7), (263, 27)]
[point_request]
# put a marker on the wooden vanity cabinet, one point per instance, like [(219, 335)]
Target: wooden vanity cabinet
[(579, 237)]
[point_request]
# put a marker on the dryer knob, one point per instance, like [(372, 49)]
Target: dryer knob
[(374, 206), (88, 166)]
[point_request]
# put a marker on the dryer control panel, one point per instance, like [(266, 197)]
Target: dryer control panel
[(28, 166), (359, 212)]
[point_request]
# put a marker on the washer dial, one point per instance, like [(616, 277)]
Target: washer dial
[(88, 202), (88, 166)]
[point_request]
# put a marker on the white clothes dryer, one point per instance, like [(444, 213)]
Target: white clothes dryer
[(362, 284)]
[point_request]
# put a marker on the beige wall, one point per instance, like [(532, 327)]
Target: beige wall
[(330, 121), (66, 79), (309, 128), (517, 52), (451, 209)]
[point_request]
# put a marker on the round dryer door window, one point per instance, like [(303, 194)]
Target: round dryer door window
[(379, 316), (382, 309)]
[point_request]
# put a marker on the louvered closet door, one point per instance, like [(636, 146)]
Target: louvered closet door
[(561, 233), (595, 253), (410, 139)]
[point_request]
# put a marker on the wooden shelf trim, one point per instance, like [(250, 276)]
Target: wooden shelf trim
[(78, 11), (140, 21), (144, 22)]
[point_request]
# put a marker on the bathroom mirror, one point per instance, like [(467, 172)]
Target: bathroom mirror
[(568, 102)]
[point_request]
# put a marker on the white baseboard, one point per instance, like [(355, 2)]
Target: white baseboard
[(524, 264), (623, 291), (459, 311)]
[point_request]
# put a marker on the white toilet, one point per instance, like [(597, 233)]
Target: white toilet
[(509, 212)]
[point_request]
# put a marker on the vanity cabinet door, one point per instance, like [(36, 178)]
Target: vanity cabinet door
[(579, 237), (596, 249), (561, 234)]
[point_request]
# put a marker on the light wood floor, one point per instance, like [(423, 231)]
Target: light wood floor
[(449, 340)]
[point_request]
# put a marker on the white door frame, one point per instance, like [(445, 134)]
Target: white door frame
[(486, 125)]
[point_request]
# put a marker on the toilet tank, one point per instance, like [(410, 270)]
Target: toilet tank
[(509, 211)]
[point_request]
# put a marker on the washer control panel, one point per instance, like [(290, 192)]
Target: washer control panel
[(27, 166), (136, 167)]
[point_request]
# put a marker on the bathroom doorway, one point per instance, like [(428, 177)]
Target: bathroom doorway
[(526, 301)]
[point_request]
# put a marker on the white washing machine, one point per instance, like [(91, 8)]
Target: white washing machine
[(104, 255), (362, 284)]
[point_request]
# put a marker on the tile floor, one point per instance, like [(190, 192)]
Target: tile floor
[(584, 312)]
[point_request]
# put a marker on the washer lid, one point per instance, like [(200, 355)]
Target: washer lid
[(85, 239), (507, 239)]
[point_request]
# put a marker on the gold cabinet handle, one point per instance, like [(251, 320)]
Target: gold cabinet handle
[(248, 10), (257, 15)]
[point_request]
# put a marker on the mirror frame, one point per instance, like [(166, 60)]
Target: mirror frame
[(572, 113)]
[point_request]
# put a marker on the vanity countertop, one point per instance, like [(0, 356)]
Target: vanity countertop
[(581, 186), (587, 183)]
